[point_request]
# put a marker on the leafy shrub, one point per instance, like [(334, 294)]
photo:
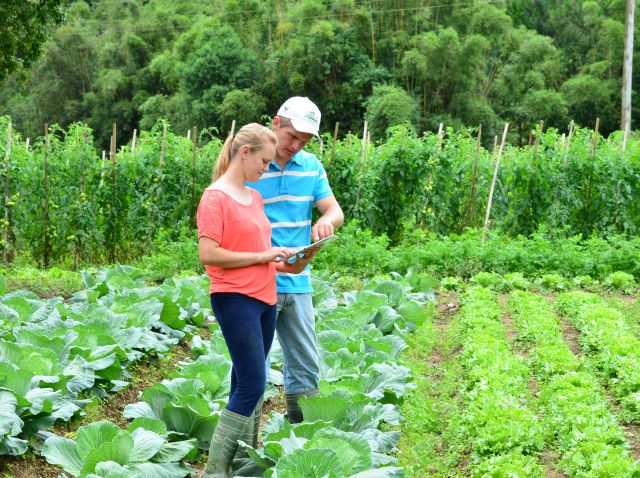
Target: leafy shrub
[(620, 281), (552, 282), (452, 283), (515, 280), (490, 280)]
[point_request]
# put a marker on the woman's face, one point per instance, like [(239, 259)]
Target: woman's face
[(257, 162)]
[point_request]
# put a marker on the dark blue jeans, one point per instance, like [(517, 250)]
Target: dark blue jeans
[(248, 326)]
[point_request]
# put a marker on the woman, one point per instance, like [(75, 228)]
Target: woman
[(235, 246)]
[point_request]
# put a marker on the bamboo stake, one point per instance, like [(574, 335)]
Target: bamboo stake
[(566, 152), (625, 137), (28, 141), (163, 147), (493, 184), (78, 248), (112, 155), (133, 141), (440, 135), (156, 190), (188, 134), (7, 198), (333, 147), (590, 177), (537, 144), (495, 146), (233, 128), (46, 195), (595, 137), (474, 180), (193, 175), (102, 168), (563, 138), (362, 160)]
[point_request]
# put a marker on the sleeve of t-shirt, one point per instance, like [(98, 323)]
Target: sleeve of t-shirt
[(322, 185), (210, 216)]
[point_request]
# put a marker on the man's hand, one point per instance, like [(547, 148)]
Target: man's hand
[(321, 229), (303, 260)]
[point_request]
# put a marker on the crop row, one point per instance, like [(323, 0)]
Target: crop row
[(115, 207), (56, 356), (498, 415), (611, 345), (345, 432), (583, 429)]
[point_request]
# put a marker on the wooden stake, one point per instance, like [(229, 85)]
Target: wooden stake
[(493, 184), (102, 168), (471, 210), (193, 175), (28, 141), (112, 156), (156, 190), (563, 138), (595, 137), (133, 141), (333, 147), (537, 144), (566, 152), (46, 195), (625, 137), (163, 147), (188, 134), (362, 160), (440, 135), (233, 128), (7, 198)]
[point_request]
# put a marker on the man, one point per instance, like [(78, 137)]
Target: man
[(295, 182)]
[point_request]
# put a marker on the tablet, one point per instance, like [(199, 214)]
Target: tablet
[(320, 243)]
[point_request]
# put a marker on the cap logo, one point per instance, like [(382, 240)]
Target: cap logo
[(311, 116)]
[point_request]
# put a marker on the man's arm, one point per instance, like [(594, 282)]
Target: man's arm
[(331, 218)]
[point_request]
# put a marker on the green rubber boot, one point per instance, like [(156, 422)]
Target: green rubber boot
[(224, 444), (294, 412), (249, 433), (257, 414)]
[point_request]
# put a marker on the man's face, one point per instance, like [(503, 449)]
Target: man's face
[(290, 141)]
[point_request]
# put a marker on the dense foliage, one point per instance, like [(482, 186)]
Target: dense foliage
[(206, 63), (23, 32), (109, 209)]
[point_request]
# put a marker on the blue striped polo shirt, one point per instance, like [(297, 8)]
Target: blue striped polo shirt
[(289, 195)]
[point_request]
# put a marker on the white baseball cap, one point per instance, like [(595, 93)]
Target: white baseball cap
[(303, 113)]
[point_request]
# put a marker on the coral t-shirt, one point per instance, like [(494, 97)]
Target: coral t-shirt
[(240, 228)]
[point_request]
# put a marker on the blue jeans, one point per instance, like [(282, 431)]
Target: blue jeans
[(296, 333), (248, 327)]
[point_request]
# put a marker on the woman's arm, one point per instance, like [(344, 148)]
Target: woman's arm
[(211, 254)]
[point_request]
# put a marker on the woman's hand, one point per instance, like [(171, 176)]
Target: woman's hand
[(275, 254)]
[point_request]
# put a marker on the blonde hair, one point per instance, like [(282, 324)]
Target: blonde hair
[(253, 134)]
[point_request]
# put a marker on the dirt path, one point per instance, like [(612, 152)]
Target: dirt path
[(447, 307)]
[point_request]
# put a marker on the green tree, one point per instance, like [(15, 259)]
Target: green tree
[(390, 106), (23, 31), (244, 106)]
